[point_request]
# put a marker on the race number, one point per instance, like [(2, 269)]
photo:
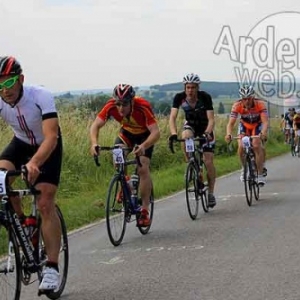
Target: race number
[(189, 145), (2, 182), (246, 142), (118, 156)]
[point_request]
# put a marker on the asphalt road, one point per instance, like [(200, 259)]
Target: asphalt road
[(233, 252)]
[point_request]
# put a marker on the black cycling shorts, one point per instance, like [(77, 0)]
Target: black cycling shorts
[(130, 140), (19, 153)]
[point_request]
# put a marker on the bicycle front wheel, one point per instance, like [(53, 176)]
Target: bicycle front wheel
[(248, 181), (63, 259), (191, 190), (10, 266), (116, 211), (145, 230)]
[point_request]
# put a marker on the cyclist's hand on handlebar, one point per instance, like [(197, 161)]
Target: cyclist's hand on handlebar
[(263, 137), (139, 150), (95, 148), (172, 138), (33, 172), (208, 136), (228, 138)]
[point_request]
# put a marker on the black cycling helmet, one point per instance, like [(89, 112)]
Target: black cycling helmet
[(123, 93), (9, 66), (246, 91)]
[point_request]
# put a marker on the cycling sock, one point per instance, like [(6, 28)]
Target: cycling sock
[(53, 265)]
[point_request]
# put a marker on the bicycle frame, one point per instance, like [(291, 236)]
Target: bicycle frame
[(11, 220)]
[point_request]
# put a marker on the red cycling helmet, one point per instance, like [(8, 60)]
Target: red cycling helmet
[(123, 93), (9, 66)]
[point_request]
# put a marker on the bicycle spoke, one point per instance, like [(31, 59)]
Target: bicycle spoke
[(115, 212), (10, 267), (191, 188)]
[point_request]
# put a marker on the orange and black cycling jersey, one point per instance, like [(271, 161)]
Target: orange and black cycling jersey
[(137, 122), (249, 117)]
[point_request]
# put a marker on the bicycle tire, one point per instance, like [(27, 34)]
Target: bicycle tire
[(63, 261), (191, 190), (203, 192), (8, 239), (145, 230), (247, 181), (115, 211), (293, 152)]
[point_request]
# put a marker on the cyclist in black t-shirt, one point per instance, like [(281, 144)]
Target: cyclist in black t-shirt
[(199, 120)]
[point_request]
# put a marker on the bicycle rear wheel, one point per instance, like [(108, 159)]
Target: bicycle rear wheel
[(203, 191), (63, 259), (115, 212), (293, 152), (191, 190), (248, 181), (10, 266), (145, 230)]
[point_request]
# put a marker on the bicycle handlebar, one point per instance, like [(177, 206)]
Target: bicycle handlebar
[(24, 172), (109, 148), (195, 139)]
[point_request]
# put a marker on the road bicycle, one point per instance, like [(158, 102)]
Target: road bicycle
[(195, 185), (250, 169), (123, 202), (295, 147), (22, 249)]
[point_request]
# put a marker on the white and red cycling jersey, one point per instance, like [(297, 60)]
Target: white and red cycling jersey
[(25, 118)]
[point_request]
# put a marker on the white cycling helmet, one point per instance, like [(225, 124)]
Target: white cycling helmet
[(191, 78), (246, 91)]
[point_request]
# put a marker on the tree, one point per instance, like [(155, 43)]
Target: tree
[(221, 109)]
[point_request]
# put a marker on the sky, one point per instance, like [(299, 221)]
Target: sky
[(94, 44)]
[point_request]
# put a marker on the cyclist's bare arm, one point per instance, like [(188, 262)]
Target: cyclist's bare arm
[(230, 126), (172, 120), (151, 140), (211, 121), (94, 133), (50, 132), (265, 124)]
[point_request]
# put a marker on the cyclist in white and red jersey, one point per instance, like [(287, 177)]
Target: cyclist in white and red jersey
[(37, 144)]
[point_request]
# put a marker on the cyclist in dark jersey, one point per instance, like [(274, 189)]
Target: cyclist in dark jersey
[(199, 120)]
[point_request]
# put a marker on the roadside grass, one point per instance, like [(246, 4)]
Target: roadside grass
[(83, 187)]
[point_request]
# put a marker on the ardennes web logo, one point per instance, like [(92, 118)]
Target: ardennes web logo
[(268, 57)]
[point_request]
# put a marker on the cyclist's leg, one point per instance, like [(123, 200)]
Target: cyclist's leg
[(258, 150), (145, 181), (47, 183), (12, 158), (208, 158), (187, 132), (242, 131)]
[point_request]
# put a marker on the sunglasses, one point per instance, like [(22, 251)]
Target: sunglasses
[(123, 104), (9, 83)]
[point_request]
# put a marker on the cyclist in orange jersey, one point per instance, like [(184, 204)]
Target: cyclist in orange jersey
[(138, 127), (253, 121)]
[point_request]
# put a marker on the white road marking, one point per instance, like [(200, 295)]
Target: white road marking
[(230, 196), (113, 261)]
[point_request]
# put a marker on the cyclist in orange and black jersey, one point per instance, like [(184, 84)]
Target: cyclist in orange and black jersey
[(253, 121), (138, 127)]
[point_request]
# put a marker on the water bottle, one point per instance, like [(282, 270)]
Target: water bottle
[(31, 231)]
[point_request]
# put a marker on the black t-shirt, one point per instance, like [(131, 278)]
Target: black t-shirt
[(288, 119), (195, 117)]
